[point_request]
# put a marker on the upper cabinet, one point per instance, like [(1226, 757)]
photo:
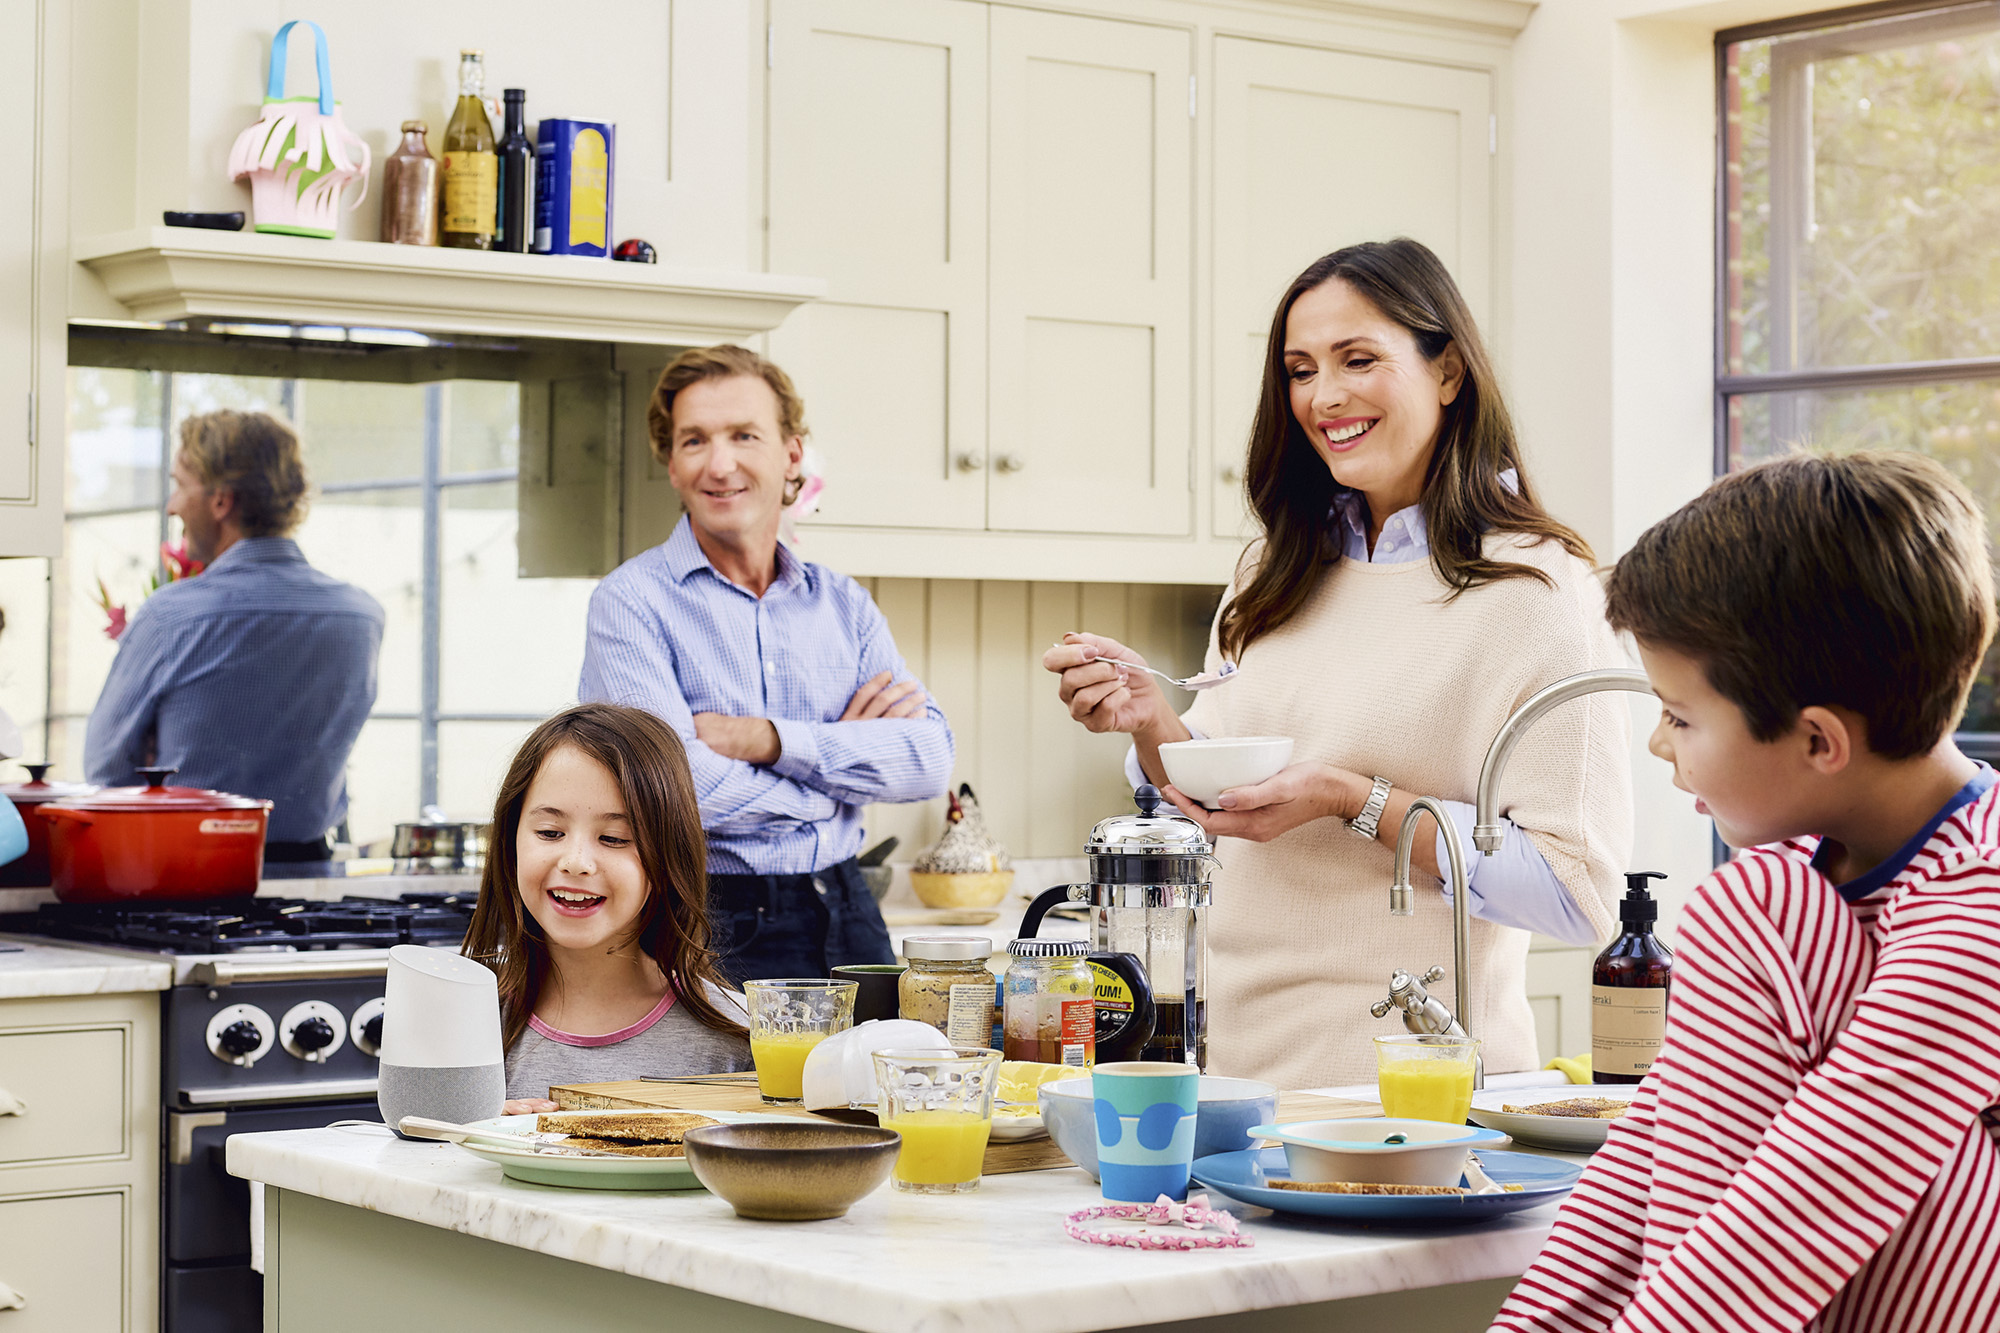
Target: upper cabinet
[(34, 248), (1317, 149), (1053, 242)]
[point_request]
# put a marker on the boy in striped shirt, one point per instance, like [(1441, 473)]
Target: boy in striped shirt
[(1815, 1147)]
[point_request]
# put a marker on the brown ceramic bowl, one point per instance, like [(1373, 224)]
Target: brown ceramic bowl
[(781, 1171)]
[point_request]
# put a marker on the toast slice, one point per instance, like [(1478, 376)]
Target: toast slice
[(628, 1127), (1348, 1187), (627, 1147), (1576, 1108)]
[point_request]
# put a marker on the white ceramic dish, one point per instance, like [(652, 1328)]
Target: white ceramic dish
[(1014, 1122), (593, 1173), (1566, 1133), (1204, 769), (1378, 1150)]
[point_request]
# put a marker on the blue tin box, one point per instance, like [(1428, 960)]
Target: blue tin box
[(574, 169)]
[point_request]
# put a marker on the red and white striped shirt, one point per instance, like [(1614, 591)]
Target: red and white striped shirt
[(1817, 1146)]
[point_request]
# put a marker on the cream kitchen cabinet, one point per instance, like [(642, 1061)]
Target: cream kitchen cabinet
[(34, 256), (1316, 149), (79, 1163)]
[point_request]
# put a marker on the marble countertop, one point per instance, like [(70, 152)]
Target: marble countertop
[(897, 1263), (33, 968)]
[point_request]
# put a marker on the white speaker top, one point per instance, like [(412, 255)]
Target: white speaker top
[(440, 1011)]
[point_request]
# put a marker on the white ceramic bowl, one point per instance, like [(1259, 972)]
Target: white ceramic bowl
[(1205, 769), (1564, 1132), (1360, 1151)]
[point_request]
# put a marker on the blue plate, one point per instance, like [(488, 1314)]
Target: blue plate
[(1245, 1176)]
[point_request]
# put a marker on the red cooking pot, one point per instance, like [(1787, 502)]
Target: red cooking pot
[(31, 868), (126, 844)]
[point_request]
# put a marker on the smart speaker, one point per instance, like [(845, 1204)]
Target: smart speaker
[(441, 1053)]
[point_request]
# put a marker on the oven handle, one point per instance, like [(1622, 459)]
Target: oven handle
[(280, 1092), (290, 967)]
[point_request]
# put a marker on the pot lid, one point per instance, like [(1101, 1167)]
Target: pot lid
[(156, 795), (36, 789), (1150, 832)]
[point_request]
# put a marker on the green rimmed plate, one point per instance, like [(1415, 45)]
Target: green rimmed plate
[(593, 1173)]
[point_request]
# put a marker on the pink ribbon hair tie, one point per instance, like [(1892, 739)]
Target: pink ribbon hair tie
[(1195, 1218)]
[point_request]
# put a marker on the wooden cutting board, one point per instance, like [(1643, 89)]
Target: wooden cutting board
[(738, 1092)]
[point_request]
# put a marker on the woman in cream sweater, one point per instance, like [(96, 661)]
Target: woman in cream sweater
[(1407, 594)]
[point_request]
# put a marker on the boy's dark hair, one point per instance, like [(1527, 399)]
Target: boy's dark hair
[(1862, 582)]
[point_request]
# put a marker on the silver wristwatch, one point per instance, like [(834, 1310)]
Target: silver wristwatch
[(1363, 825)]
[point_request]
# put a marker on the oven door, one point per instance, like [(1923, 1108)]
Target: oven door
[(207, 1281)]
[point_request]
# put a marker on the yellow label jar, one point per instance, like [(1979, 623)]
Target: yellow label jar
[(949, 986)]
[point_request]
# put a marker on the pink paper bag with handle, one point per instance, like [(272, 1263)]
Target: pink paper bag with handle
[(300, 156)]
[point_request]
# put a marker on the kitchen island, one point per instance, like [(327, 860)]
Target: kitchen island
[(364, 1230)]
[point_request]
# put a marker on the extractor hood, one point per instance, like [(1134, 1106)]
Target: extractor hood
[(164, 274)]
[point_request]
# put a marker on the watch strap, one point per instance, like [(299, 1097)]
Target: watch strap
[(1365, 824)]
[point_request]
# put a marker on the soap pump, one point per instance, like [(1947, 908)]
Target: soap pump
[(1628, 992)]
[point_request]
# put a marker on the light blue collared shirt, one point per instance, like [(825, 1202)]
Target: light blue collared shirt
[(252, 678), (669, 634), (1514, 886)]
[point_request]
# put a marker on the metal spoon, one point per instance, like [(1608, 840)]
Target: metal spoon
[(1201, 680)]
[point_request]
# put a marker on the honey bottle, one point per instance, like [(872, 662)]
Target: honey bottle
[(1628, 990)]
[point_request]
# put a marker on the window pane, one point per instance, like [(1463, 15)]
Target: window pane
[(485, 426), (1957, 424), (114, 439), (472, 759), (361, 432), (1860, 178), (510, 644), (382, 782), (374, 540), (24, 670)]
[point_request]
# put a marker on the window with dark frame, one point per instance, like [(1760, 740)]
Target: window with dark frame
[(1858, 248)]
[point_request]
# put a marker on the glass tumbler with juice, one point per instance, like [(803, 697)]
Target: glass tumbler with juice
[(787, 1019), (941, 1102), (1424, 1076)]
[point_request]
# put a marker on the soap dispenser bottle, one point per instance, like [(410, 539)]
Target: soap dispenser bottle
[(1628, 991)]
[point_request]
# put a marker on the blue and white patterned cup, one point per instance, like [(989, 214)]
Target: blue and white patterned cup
[(1145, 1129)]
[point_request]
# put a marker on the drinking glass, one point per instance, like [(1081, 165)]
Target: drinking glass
[(941, 1102), (787, 1019), (1423, 1076)]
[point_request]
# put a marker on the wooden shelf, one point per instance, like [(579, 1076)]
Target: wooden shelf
[(175, 273)]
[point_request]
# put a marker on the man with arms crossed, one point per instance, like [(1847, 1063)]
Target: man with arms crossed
[(780, 675), (255, 677)]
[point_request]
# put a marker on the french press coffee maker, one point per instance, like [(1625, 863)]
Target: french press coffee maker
[(1149, 894)]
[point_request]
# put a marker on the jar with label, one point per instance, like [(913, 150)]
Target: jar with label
[(1050, 1011), (947, 985)]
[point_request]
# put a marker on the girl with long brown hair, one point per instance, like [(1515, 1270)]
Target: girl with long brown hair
[(593, 911), (1406, 594)]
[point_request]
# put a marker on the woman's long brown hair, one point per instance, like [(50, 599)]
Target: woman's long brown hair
[(647, 759), (1292, 492)]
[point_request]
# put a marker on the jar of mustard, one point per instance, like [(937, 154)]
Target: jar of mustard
[(948, 985)]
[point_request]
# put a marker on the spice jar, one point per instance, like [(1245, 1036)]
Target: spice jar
[(1050, 1011), (947, 985)]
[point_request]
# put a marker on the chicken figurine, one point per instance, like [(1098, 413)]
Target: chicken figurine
[(965, 867)]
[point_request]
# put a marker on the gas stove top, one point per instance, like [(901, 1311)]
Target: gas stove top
[(243, 925)]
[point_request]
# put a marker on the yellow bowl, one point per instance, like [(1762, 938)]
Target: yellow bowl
[(983, 889)]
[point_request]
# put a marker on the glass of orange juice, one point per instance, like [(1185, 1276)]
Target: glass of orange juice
[(787, 1019), (941, 1102), (1423, 1076)]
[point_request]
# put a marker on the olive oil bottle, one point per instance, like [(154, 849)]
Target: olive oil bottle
[(1628, 991), (471, 163)]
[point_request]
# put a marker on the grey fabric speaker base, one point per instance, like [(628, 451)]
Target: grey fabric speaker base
[(460, 1095)]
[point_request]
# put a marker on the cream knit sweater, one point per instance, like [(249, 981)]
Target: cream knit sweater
[(1379, 674)]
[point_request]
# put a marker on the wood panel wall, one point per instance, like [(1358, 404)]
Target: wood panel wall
[(1041, 779)]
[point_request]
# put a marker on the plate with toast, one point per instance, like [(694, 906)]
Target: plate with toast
[(1569, 1119), (601, 1150)]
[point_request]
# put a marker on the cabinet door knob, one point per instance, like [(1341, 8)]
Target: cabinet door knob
[(1231, 474), (1010, 463), (11, 1299), (11, 1105), (969, 462)]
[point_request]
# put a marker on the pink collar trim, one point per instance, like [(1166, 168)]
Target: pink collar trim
[(609, 1038)]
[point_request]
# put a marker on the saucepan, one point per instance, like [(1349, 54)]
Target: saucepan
[(127, 844), (31, 868), (439, 843)]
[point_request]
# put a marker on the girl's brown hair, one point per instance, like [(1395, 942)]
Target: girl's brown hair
[(646, 758), (1291, 490)]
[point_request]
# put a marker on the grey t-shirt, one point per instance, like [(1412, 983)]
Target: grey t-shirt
[(670, 1041)]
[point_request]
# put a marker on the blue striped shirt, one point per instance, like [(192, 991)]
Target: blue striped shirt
[(669, 634), (253, 678)]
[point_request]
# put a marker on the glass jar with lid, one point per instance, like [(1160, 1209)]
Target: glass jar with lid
[(1049, 1013), (949, 986)]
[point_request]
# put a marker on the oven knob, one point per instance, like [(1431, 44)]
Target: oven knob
[(312, 1031), (365, 1027), (240, 1034)]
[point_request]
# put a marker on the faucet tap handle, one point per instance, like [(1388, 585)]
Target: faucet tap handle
[(1380, 1008), (1434, 975)]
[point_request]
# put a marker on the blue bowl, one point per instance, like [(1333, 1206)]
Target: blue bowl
[(1225, 1110)]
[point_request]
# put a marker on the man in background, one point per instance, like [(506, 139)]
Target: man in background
[(255, 677), (780, 675)]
